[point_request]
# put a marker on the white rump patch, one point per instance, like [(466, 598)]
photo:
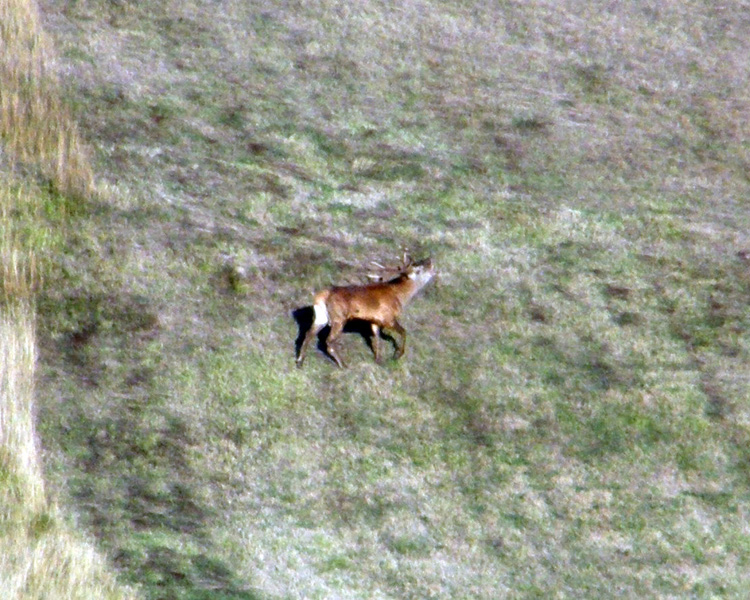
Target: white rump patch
[(321, 315)]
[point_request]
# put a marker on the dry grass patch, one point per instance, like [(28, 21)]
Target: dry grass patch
[(41, 555), (36, 127)]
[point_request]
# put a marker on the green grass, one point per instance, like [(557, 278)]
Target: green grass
[(570, 417), (41, 553)]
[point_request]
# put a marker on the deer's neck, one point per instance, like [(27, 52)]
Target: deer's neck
[(406, 288)]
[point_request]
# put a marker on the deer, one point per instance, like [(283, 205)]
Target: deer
[(378, 303)]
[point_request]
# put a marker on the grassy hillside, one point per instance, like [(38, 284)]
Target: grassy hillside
[(42, 554), (571, 416)]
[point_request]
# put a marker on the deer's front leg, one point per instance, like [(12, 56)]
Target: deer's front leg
[(374, 341), (400, 348)]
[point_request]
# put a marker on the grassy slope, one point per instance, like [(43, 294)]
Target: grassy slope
[(571, 416), (42, 555)]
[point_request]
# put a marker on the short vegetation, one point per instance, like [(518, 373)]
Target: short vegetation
[(571, 418), (42, 553)]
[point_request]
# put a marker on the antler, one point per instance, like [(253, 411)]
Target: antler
[(407, 260), (384, 273)]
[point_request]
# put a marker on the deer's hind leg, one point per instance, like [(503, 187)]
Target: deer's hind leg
[(311, 334), (336, 328), (320, 321)]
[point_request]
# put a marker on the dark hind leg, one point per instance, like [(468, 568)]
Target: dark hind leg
[(312, 333)]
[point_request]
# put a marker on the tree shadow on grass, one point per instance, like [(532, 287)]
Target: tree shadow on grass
[(134, 480), (180, 574), (143, 498)]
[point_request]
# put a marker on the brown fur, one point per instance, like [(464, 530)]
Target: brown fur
[(380, 304)]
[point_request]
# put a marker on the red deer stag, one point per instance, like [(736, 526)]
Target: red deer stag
[(379, 303)]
